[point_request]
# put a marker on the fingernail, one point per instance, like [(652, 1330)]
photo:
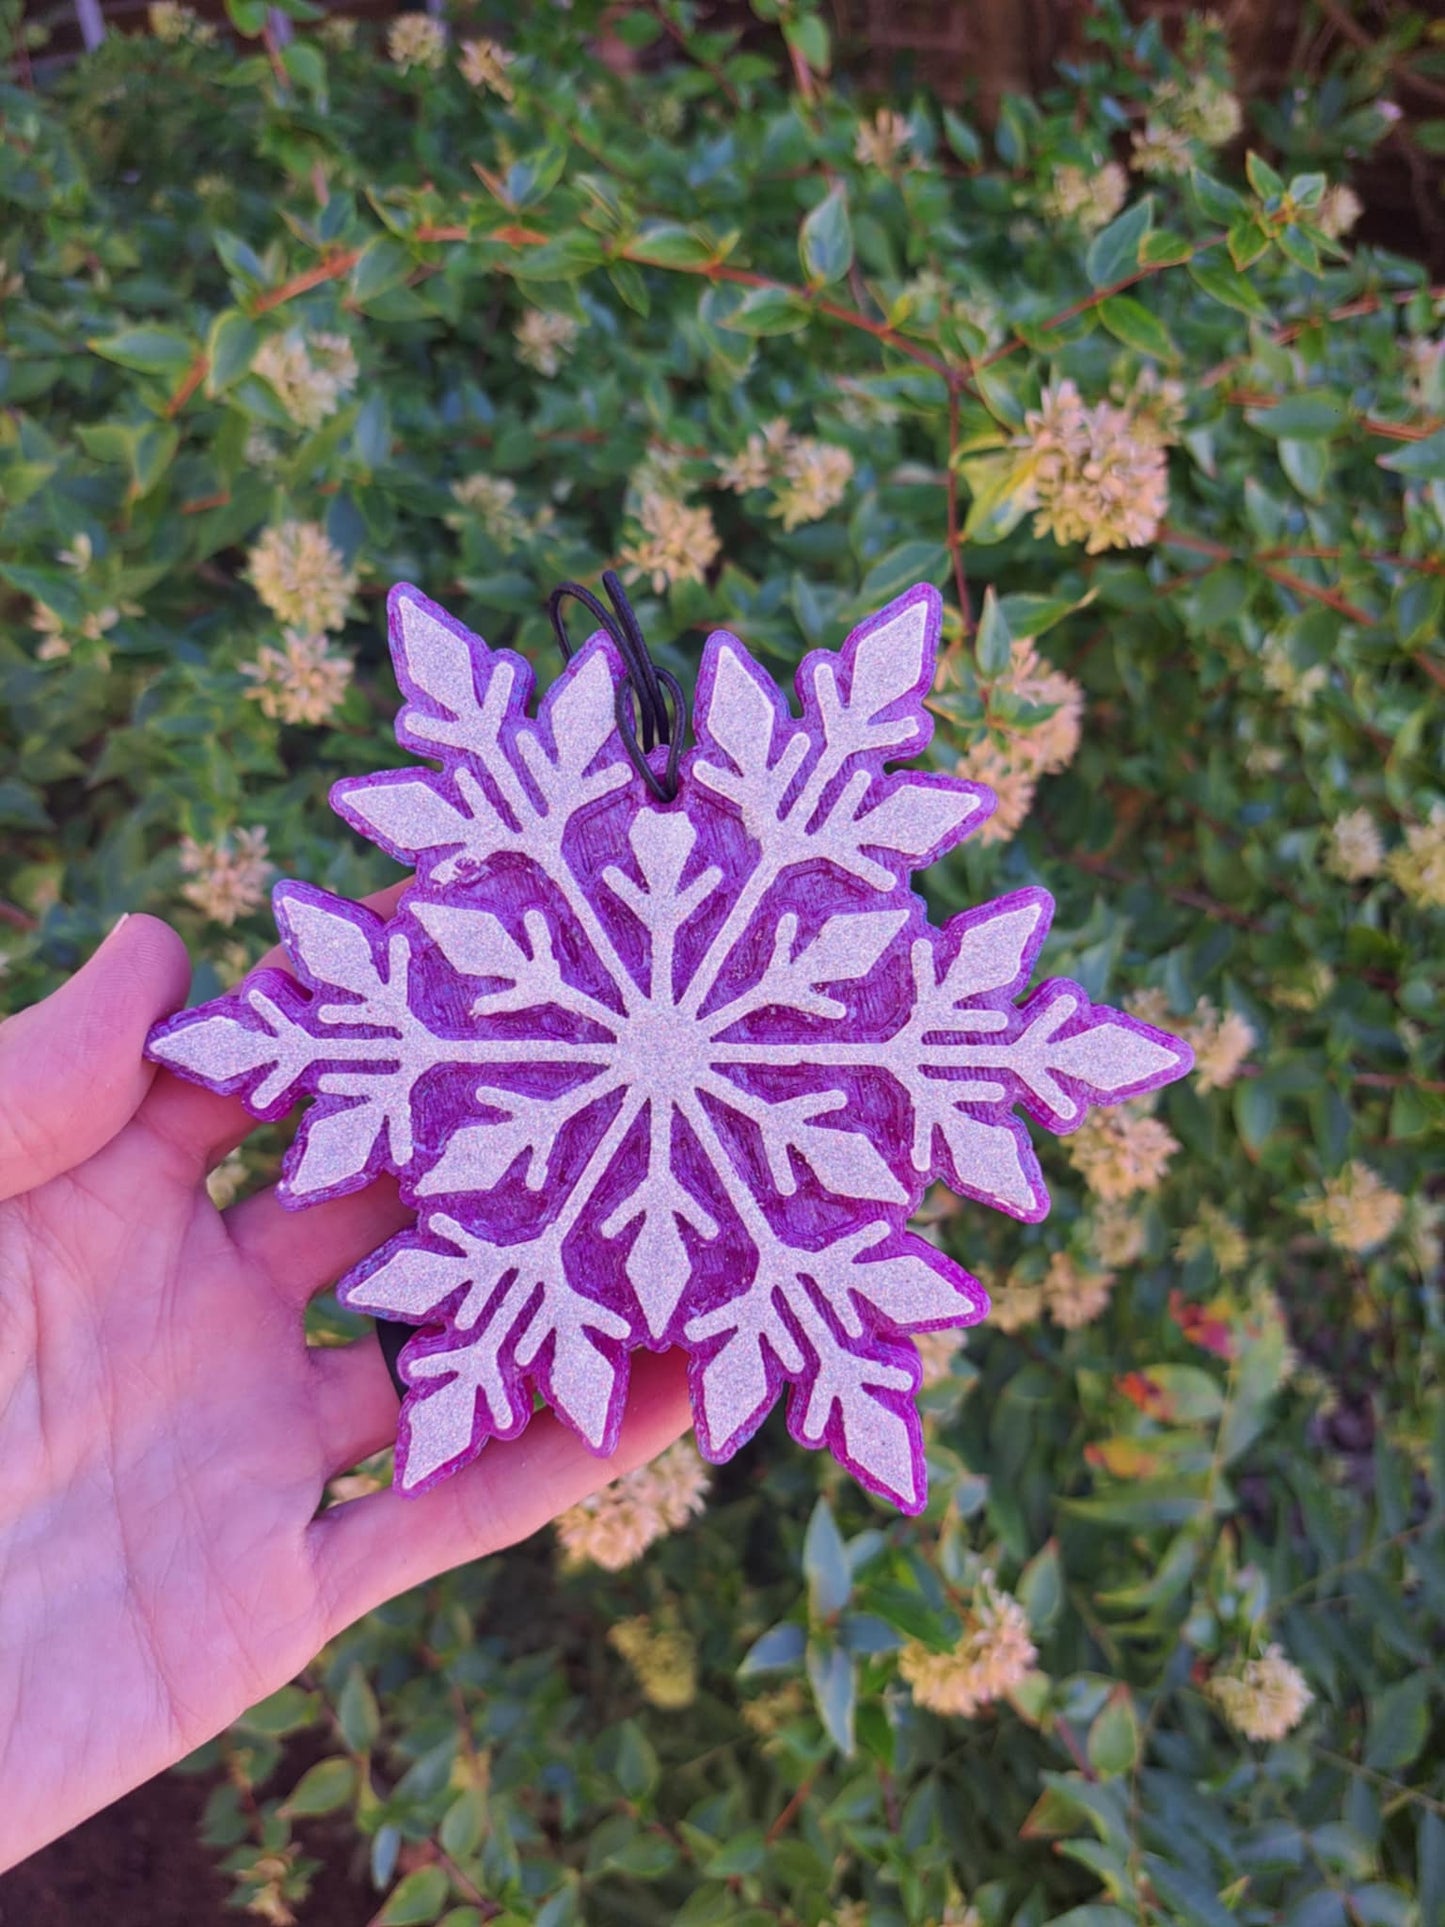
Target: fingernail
[(122, 918)]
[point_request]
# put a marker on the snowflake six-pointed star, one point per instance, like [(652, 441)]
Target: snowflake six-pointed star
[(665, 1074)]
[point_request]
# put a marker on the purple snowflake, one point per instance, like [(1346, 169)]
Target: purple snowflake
[(665, 1074)]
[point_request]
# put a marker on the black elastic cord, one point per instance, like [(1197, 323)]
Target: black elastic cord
[(651, 707)]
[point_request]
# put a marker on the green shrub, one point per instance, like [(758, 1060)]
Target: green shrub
[(267, 319)]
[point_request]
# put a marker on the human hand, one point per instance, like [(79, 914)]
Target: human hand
[(165, 1432)]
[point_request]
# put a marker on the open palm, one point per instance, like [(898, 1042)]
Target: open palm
[(165, 1432)]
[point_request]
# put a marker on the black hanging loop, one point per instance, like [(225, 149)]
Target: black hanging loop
[(650, 707)]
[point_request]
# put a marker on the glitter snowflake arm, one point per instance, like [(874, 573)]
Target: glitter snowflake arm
[(355, 1040), (795, 1319), (815, 791), (511, 1302), (507, 784)]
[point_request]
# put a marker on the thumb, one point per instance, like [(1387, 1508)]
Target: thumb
[(71, 1069)]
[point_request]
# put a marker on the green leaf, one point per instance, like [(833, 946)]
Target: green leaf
[(306, 64), (833, 1675), (1132, 323), (965, 143), (563, 258), (1262, 177), (285, 1711), (999, 489), (1114, 1738), (901, 568), (324, 1788), (667, 244), (825, 1564), (1399, 1721), (464, 1823), (382, 265), (416, 1900), (993, 644), (1423, 460), (1029, 616), (825, 240), (150, 351), (1216, 201), (767, 311), (357, 1712), (230, 348), (1309, 417), (1307, 465), (248, 17), (778, 1649), (1114, 253), (806, 33), (1224, 284), (1040, 1590)]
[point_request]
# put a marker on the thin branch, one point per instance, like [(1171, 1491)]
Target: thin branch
[(1332, 598), (955, 539), (1076, 308), (785, 1819)]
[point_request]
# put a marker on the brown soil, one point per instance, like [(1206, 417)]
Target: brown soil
[(141, 1864)]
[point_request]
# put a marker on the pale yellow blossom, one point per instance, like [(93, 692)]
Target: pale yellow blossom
[(302, 682), (1157, 404), (1045, 747), (1338, 210), (1160, 151), (664, 1660), (1297, 687), (310, 373), (171, 22), (1074, 1295), (1151, 1006), (416, 40), (1015, 1305), (227, 877), (1221, 1041), (879, 142), (767, 1713), (484, 63), (1356, 1210), (815, 479), (302, 579), (1121, 1151), (678, 543), (1118, 1236), (1356, 849), (1418, 866), (77, 555), (224, 1183), (937, 1354), (1089, 197), (615, 1526), (1424, 363), (1307, 992), (1214, 1232), (1264, 1698), (1094, 479), (1201, 108), (993, 1656), (492, 499), (545, 337), (1010, 778), (338, 30)]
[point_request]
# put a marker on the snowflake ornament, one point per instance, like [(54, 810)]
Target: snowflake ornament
[(665, 1074)]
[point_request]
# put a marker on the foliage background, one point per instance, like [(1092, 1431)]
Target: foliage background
[(1167, 1488)]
